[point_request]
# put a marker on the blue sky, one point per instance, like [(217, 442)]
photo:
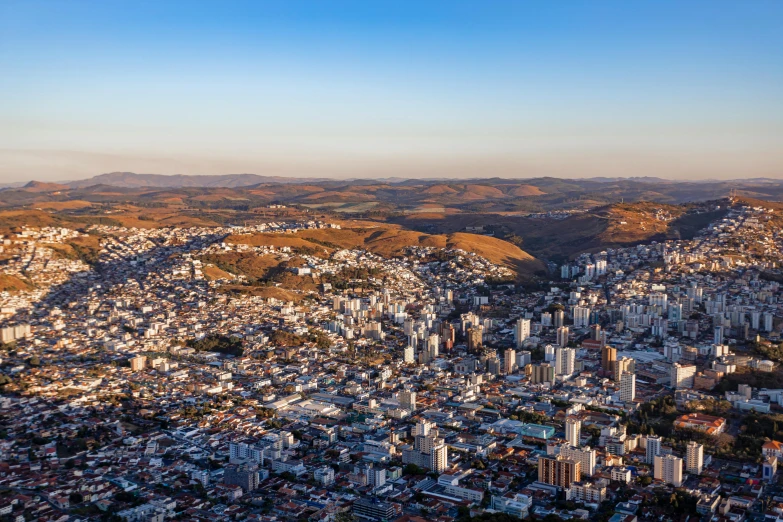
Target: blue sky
[(336, 88)]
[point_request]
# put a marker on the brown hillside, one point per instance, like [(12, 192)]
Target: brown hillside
[(12, 284), (526, 190)]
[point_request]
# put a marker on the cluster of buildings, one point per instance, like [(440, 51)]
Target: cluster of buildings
[(138, 388)]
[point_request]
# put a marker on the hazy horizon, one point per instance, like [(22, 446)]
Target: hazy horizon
[(391, 89)]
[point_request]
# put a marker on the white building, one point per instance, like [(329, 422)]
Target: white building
[(668, 468), (694, 458)]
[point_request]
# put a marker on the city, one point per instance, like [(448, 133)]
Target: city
[(639, 382)]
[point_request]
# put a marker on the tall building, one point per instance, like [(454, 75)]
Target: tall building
[(595, 332), (694, 459), (573, 430), (509, 361), (558, 318), (565, 359), (624, 364), (586, 457), (581, 316), (475, 338), (682, 375), (718, 337), (429, 450), (522, 331), (137, 363), (242, 475), (627, 387), (562, 336), (608, 357), (668, 468), (407, 400), (653, 448), (558, 471), (541, 373), (408, 355)]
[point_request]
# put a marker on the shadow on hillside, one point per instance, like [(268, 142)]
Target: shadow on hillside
[(77, 292)]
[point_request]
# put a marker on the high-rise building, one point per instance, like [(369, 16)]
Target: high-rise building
[(595, 332), (509, 361), (581, 316), (137, 363), (522, 331), (668, 468), (558, 318), (608, 357), (682, 375), (694, 458), (407, 399), (475, 338), (409, 355), (718, 337), (653, 448), (562, 336), (586, 457), (242, 475), (573, 430), (429, 450), (624, 364), (565, 359), (558, 471), (523, 358), (627, 387), (541, 373)]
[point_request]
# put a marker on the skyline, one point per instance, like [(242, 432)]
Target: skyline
[(351, 90)]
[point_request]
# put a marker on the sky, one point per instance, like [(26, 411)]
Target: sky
[(676, 89)]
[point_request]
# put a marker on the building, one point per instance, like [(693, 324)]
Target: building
[(409, 355), (475, 336), (509, 361), (521, 332), (429, 451), (769, 469), (772, 448), (324, 475), (623, 365), (622, 475), (541, 373), (565, 359), (682, 375), (627, 387), (581, 316), (585, 456), (698, 421), (373, 509), (573, 429), (562, 336), (653, 448), (137, 363), (586, 492), (407, 400), (668, 468), (694, 460), (242, 475), (514, 504), (558, 471), (608, 357)]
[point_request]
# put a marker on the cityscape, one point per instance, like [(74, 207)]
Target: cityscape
[(391, 261)]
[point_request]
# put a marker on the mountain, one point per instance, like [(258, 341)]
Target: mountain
[(40, 186), (133, 180)]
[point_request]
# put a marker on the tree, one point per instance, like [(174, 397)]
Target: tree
[(34, 361)]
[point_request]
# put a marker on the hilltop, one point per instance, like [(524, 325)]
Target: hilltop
[(391, 241)]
